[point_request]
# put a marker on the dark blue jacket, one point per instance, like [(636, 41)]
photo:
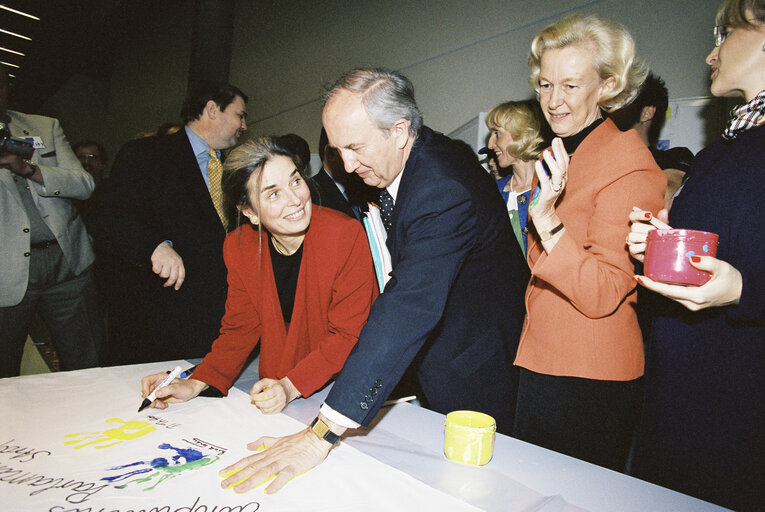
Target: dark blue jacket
[(456, 294), (704, 413)]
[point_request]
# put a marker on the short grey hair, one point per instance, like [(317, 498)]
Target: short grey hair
[(387, 96)]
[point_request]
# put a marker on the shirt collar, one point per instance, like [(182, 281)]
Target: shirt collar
[(198, 144), (393, 187)]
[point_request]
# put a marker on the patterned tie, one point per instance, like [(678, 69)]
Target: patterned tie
[(386, 208), (214, 173)]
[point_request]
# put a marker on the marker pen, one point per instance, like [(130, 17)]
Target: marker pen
[(153, 395)]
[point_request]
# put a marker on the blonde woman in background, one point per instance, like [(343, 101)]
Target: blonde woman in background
[(519, 132)]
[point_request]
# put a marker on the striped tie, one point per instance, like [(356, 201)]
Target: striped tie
[(214, 172)]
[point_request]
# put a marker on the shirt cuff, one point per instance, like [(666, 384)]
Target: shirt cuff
[(335, 417)]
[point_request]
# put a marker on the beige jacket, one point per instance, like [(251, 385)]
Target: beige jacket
[(64, 179)]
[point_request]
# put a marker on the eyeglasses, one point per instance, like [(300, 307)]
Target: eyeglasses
[(721, 32)]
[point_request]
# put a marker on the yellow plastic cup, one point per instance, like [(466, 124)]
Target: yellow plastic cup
[(469, 437)]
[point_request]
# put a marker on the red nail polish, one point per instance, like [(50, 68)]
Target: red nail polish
[(636, 278), (647, 215), (696, 259)]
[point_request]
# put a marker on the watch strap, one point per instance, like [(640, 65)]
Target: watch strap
[(545, 235)]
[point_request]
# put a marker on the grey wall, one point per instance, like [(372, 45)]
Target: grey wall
[(463, 57), (147, 86)]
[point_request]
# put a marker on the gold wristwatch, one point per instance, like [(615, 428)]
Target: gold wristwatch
[(322, 430)]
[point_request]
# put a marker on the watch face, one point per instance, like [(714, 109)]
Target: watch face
[(546, 235), (322, 430)]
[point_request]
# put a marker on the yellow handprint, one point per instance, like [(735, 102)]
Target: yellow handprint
[(128, 430)]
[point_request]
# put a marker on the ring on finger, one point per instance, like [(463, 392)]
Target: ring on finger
[(556, 188)]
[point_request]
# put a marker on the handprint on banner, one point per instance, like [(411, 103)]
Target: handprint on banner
[(161, 468), (110, 437)]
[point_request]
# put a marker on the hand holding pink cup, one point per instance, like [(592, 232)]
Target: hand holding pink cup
[(668, 251)]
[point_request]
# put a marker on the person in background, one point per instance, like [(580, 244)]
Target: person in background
[(337, 189), (647, 115), (301, 283), (519, 132), (701, 431), (45, 253), (160, 217), (92, 156), (298, 146), (168, 128), (581, 351), (491, 162)]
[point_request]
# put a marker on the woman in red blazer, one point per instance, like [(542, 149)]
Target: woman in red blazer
[(300, 280)]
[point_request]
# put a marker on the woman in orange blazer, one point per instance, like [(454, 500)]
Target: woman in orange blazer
[(581, 351), (300, 280)]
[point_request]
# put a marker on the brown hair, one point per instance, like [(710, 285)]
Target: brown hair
[(732, 13), (241, 164)]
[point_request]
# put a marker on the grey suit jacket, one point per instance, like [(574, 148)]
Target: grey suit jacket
[(64, 179)]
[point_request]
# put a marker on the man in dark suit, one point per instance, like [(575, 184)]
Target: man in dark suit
[(160, 218), (455, 296), (336, 189)]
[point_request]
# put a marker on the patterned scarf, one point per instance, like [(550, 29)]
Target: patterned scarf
[(746, 116)]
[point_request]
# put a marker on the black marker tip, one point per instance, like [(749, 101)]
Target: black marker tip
[(144, 404)]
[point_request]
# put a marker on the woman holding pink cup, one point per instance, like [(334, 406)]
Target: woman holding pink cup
[(701, 432)]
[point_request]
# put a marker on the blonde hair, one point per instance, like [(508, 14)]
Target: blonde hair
[(524, 121), (732, 13), (614, 52)]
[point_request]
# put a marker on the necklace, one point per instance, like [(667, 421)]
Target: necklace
[(281, 248)]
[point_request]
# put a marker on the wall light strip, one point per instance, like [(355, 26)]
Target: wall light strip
[(9, 64), (12, 51), (15, 34), (20, 13)]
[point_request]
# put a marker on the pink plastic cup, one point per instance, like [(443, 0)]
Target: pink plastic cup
[(667, 253)]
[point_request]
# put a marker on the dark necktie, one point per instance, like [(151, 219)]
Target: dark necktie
[(386, 208)]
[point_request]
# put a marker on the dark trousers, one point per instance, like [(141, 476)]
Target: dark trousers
[(68, 306), (592, 420)]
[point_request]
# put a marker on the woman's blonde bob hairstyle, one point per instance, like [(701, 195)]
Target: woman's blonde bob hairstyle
[(614, 51), (524, 121)]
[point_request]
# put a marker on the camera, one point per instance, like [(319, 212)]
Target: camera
[(14, 145)]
